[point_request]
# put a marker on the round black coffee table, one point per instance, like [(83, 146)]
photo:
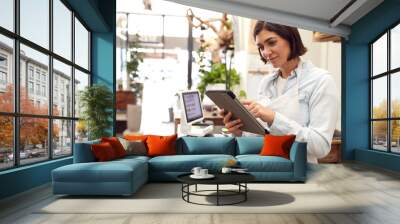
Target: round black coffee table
[(238, 179)]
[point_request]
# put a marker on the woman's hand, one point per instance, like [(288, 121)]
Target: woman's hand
[(258, 111), (232, 126)]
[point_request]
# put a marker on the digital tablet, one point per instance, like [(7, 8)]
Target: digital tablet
[(227, 100)]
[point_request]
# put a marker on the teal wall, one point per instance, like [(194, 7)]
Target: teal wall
[(24, 178), (355, 86), (99, 16), (103, 52)]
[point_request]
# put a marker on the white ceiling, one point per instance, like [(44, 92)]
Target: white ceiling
[(315, 15)]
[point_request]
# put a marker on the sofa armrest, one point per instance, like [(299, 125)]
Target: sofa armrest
[(83, 152), (298, 155)]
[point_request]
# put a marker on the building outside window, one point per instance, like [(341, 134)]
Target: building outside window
[(30, 87), (37, 75), (43, 90), (3, 61), (55, 97), (3, 72), (3, 81), (43, 78), (385, 94), (37, 89), (3, 78), (30, 72)]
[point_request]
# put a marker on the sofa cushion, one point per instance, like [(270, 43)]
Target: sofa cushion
[(132, 158), (134, 147), (257, 163), (116, 145), (277, 145), (112, 171), (207, 145), (161, 145), (136, 137), (185, 163), (103, 152), (83, 152), (249, 145)]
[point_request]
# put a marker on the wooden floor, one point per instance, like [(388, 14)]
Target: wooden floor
[(377, 188)]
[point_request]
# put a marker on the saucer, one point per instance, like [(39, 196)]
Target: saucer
[(208, 176)]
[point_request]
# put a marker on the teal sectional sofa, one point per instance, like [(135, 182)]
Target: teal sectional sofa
[(125, 176)]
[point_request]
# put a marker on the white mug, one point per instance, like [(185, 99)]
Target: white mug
[(196, 170), (226, 170), (203, 172)]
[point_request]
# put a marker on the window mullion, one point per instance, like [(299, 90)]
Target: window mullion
[(16, 84), (50, 81), (73, 82), (389, 104), (371, 89)]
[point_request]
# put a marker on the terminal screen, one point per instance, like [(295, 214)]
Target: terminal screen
[(192, 106)]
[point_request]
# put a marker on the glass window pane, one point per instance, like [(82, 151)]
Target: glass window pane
[(6, 74), (35, 21), (395, 136), (379, 55), (7, 14), (34, 97), (62, 89), (81, 81), (81, 131), (62, 29), (6, 142), (33, 139), (395, 95), (379, 98), (379, 135), (395, 47), (81, 45), (62, 138)]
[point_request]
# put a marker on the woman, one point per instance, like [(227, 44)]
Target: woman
[(298, 99)]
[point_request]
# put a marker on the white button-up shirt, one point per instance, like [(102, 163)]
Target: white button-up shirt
[(318, 101)]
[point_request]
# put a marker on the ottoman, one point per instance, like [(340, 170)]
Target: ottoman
[(119, 177)]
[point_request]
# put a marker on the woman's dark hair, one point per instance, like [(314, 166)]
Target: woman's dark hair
[(290, 34)]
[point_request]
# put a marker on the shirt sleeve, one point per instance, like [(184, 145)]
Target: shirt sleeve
[(323, 109)]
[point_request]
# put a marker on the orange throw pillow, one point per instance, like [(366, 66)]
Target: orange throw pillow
[(136, 137), (103, 152), (116, 145), (161, 145), (277, 145)]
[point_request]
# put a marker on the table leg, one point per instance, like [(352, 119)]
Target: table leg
[(182, 190), (217, 194), (196, 188), (245, 193)]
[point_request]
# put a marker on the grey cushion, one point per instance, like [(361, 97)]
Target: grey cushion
[(137, 148)]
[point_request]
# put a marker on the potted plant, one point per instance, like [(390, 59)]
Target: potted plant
[(218, 75), (96, 102)]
